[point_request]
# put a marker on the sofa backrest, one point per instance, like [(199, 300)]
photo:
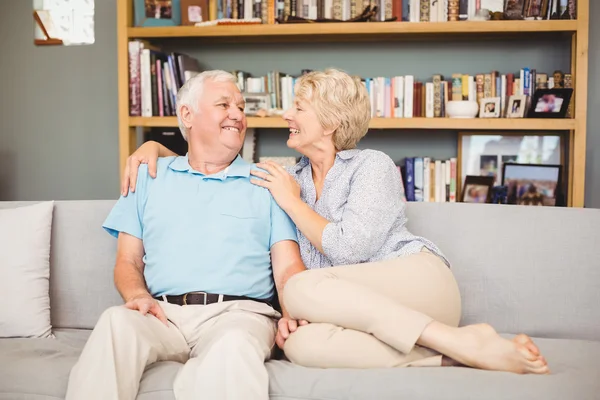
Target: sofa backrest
[(522, 269)]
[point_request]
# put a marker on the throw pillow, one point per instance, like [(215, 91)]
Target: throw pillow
[(25, 271)]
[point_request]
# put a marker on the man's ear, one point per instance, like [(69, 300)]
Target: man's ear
[(186, 115)]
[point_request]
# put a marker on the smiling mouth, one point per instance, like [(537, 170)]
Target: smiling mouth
[(231, 128), (294, 131)]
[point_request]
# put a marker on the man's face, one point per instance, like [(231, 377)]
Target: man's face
[(220, 123)]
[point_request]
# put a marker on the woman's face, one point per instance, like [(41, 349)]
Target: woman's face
[(305, 130)]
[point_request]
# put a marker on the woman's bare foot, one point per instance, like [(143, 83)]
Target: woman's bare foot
[(479, 346), (527, 342)]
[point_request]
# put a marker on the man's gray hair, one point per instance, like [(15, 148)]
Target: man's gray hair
[(190, 92)]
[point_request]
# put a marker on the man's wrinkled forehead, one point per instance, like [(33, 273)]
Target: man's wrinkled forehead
[(227, 91)]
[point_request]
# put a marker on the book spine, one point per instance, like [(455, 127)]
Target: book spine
[(135, 87)]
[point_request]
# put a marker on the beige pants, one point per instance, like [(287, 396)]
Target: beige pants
[(223, 347), (370, 315)]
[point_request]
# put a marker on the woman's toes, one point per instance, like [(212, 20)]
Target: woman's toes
[(527, 342), (526, 353), (539, 370), (539, 363)]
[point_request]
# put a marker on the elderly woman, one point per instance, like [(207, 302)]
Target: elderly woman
[(374, 295)]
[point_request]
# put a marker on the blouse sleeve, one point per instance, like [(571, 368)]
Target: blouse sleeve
[(373, 206)]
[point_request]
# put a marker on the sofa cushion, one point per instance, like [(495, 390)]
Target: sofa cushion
[(36, 369), (25, 270), (574, 365)]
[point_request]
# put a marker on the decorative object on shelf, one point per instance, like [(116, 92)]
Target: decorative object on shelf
[(157, 12), (194, 11), (256, 102), (533, 185), (514, 9), (550, 103), (366, 16), (43, 18), (462, 109), (477, 189), (485, 153), (489, 107), (559, 79), (517, 105), (499, 194), (230, 21)]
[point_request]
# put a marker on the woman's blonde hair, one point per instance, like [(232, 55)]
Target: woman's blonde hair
[(341, 102)]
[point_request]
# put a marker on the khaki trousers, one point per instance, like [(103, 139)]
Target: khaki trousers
[(223, 347), (370, 315)]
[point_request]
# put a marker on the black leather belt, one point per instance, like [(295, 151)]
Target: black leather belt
[(201, 298)]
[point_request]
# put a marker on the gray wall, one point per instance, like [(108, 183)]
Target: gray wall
[(59, 136)]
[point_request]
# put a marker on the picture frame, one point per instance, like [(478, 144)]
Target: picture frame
[(513, 9), (157, 12), (489, 107), (255, 102), (517, 105), (550, 103), (194, 11), (477, 189), (533, 185), (43, 19), (486, 152)]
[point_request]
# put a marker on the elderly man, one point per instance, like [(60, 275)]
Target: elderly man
[(200, 253)]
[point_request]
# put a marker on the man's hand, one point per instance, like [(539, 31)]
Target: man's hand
[(285, 326), (144, 303)]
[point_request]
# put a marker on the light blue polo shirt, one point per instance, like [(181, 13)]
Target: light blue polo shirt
[(210, 233)]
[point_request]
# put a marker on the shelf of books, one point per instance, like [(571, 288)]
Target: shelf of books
[(401, 123), (149, 77), (356, 30)]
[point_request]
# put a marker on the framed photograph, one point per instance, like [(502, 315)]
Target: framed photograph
[(157, 12), (256, 102), (489, 107), (44, 21), (477, 189), (513, 9), (516, 106), (533, 185), (486, 153), (193, 11), (550, 103)]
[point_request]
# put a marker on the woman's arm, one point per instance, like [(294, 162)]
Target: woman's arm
[(308, 222), (147, 153), (372, 207)]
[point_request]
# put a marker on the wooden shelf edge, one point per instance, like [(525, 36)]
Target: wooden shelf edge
[(401, 123), (355, 29)]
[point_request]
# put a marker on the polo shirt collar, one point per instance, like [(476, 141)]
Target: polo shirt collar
[(342, 155), (238, 168)]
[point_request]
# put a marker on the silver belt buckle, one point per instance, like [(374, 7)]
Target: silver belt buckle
[(203, 293)]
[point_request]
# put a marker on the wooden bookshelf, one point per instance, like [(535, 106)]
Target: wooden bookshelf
[(377, 31), (356, 30), (400, 123)]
